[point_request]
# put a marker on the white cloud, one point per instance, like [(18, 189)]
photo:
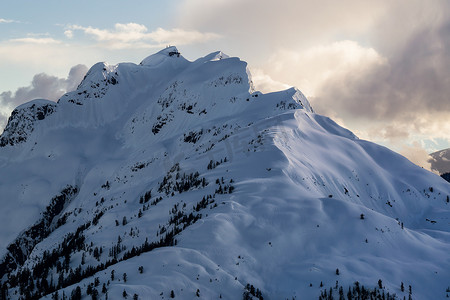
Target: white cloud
[(417, 154), (33, 40), (263, 26), (6, 21), (132, 35), (264, 83), (309, 69), (180, 36), (412, 137), (68, 33), (122, 33)]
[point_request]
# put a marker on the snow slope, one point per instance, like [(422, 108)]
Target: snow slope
[(180, 175)]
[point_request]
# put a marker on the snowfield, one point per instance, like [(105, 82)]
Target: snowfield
[(181, 176)]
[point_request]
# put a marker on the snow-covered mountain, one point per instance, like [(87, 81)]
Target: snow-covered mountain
[(176, 179)]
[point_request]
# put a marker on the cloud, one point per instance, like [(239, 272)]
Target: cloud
[(417, 154), (265, 26), (403, 98), (132, 35), (413, 82), (33, 40), (76, 74), (284, 16), (68, 33), (430, 129), (265, 83), (6, 21), (392, 132), (309, 69), (42, 86)]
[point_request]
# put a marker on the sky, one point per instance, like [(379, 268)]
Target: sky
[(379, 68)]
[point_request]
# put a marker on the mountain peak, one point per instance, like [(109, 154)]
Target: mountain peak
[(181, 180), (216, 83), (169, 54), (215, 56)]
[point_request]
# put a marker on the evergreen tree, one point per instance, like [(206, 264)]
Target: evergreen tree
[(76, 294), (94, 295), (89, 289), (55, 296)]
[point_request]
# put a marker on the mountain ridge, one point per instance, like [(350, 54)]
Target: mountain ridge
[(214, 185)]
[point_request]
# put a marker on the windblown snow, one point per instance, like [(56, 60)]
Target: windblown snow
[(175, 178)]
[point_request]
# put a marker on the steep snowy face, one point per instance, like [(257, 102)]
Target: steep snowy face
[(164, 79), (125, 106), (95, 84), (174, 178), (23, 120), (164, 86)]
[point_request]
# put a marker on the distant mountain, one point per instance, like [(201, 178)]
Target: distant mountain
[(440, 161), (176, 179)]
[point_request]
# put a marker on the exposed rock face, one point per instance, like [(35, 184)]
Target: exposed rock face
[(22, 121)]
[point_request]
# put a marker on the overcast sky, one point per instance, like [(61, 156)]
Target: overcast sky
[(379, 68)]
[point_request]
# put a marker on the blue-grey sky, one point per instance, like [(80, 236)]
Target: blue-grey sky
[(380, 68)]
